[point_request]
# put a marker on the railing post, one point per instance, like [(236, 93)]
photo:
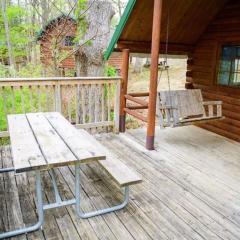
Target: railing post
[(58, 97), (154, 73), (124, 73), (117, 106)]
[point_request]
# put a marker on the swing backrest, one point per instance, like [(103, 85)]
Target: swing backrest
[(185, 103)]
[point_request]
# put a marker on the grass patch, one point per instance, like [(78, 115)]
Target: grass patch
[(19, 101)]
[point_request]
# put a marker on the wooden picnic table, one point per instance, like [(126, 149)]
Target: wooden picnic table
[(41, 141), (44, 141)]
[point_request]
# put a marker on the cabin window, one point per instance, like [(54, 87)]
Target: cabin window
[(69, 41), (229, 68)]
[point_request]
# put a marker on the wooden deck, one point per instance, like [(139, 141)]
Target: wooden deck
[(191, 190)]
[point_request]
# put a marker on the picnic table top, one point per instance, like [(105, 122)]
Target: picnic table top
[(40, 141)]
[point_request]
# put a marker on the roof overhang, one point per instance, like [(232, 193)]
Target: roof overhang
[(185, 21)]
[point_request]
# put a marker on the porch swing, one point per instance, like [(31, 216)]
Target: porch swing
[(177, 108)]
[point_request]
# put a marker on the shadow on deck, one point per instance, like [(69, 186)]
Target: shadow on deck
[(190, 190)]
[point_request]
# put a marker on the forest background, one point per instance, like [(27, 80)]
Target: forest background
[(20, 22)]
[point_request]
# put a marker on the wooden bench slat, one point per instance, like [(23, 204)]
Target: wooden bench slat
[(121, 173), (53, 147), (25, 150), (81, 143)]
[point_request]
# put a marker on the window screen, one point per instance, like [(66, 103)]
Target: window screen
[(69, 41), (229, 68)]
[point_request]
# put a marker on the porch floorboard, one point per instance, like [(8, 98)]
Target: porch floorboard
[(190, 190)]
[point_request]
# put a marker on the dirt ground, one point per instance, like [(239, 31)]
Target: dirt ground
[(177, 75)]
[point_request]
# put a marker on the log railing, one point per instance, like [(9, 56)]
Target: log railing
[(88, 103), (136, 104)]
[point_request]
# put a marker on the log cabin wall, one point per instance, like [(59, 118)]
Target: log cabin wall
[(203, 64), (115, 61)]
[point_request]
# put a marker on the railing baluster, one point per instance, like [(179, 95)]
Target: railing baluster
[(90, 103), (96, 99), (69, 112), (4, 102), (47, 102), (39, 98), (103, 102), (84, 103), (13, 99), (31, 97), (77, 103), (58, 101), (22, 99), (52, 91)]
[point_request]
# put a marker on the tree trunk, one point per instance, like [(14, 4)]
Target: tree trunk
[(33, 22), (9, 45), (45, 12), (90, 56)]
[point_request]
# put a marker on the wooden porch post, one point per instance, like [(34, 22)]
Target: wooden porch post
[(157, 12), (124, 73)]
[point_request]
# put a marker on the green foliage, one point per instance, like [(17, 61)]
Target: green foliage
[(18, 30), (114, 22), (110, 71), (22, 103), (30, 70), (6, 71), (3, 70)]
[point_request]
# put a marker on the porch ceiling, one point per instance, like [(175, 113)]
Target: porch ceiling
[(187, 21)]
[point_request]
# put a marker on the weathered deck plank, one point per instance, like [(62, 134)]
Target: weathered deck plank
[(207, 188), (190, 191), (14, 214), (3, 205)]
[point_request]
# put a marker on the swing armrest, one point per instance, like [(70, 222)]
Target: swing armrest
[(210, 105), (206, 103)]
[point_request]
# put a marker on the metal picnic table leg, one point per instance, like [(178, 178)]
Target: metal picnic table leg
[(40, 213), (5, 170), (97, 212)]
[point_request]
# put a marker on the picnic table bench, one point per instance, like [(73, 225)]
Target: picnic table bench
[(44, 141)]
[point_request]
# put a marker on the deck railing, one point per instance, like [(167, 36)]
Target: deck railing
[(89, 102)]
